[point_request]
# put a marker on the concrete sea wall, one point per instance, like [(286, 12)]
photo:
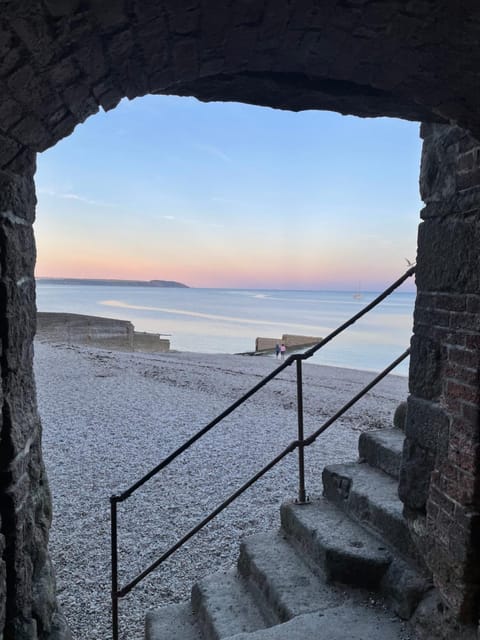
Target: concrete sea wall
[(110, 333), (289, 340)]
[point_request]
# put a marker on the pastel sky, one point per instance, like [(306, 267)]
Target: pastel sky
[(225, 194)]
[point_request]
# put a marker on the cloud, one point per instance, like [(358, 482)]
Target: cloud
[(74, 196), (214, 151), (168, 217)]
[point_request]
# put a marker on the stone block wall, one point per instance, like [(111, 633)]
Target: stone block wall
[(28, 610), (439, 481), (63, 60)]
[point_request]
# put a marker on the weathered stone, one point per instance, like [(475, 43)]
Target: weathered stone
[(434, 621), (441, 460), (342, 47), (417, 467), (27, 604), (17, 200), (9, 149), (60, 60), (459, 240), (427, 424), (59, 8), (400, 416), (437, 171), (425, 367)]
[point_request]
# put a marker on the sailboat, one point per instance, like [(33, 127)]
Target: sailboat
[(358, 295)]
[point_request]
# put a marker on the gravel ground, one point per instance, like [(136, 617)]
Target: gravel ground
[(109, 417)]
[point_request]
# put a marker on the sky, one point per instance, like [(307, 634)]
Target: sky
[(230, 195)]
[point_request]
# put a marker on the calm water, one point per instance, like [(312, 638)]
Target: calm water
[(229, 320)]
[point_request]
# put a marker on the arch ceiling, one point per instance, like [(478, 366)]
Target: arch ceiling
[(61, 60)]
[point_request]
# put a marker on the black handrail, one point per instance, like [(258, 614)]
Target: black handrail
[(290, 360), (300, 443)]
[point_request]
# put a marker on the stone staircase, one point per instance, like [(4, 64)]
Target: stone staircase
[(341, 567)]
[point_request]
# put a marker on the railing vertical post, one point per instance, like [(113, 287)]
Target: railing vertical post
[(113, 525), (302, 496)]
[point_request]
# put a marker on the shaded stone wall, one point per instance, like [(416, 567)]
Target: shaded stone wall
[(61, 60), (439, 482), (27, 598)]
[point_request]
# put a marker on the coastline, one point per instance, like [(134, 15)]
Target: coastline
[(229, 321), (116, 334), (110, 416)]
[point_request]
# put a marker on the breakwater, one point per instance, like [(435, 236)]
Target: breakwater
[(107, 333), (289, 340)]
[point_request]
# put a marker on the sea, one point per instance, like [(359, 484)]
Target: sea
[(229, 320)]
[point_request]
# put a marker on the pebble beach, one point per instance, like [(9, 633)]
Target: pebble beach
[(109, 417)]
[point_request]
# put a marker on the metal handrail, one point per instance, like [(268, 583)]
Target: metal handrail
[(300, 443)]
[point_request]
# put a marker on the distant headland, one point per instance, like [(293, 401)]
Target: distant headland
[(170, 284)]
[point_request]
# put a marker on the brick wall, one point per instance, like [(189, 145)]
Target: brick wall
[(440, 478)]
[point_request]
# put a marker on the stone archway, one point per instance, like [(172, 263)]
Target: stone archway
[(63, 60)]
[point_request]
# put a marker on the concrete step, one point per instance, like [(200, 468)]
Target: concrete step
[(172, 622), (345, 551), (346, 622), (281, 581), (370, 496), (350, 554), (224, 606), (382, 449)]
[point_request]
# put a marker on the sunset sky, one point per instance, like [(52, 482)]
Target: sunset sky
[(230, 195)]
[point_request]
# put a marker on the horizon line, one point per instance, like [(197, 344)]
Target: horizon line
[(231, 287)]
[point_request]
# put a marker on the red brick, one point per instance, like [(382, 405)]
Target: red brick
[(465, 357), (472, 341), (467, 321), (445, 335), (462, 374), (453, 405), (442, 501), (450, 302), (462, 391), (471, 412), (463, 491), (425, 300), (432, 317), (465, 428)]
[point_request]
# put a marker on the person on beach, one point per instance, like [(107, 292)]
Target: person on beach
[(283, 348), (277, 350)]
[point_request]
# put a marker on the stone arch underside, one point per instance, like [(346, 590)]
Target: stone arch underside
[(62, 60)]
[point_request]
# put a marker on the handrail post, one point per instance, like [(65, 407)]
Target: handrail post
[(114, 558), (300, 443), (302, 496)]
